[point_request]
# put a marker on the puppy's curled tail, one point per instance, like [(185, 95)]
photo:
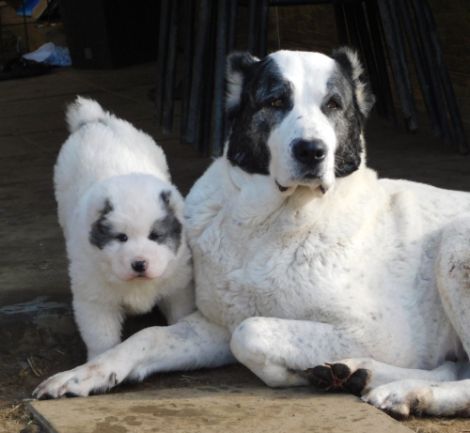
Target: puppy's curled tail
[(83, 111)]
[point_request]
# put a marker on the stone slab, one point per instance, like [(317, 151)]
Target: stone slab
[(214, 410)]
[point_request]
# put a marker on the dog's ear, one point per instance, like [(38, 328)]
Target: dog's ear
[(101, 231), (172, 201), (351, 66), (238, 65)]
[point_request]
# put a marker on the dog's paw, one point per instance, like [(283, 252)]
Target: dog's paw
[(400, 399), (338, 377), (81, 381)]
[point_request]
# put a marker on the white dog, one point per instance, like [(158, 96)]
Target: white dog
[(307, 267), (122, 222)]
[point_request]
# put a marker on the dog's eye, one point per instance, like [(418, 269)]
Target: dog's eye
[(154, 236), (333, 104), (276, 103), (122, 237)]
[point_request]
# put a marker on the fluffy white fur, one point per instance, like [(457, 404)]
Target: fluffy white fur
[(109, 168), (373, 273)]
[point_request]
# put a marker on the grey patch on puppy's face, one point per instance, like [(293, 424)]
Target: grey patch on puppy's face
[(101, 232), (167, 230)]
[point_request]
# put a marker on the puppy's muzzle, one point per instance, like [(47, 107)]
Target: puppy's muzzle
[(139, 266)]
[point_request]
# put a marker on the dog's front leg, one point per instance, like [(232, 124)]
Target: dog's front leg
[(189, 344), (279, 351), (100, 325)]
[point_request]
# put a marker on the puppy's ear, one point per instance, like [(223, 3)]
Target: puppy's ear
[(101, 231), (165, 197), (351, 66), (172, 201), (238, 65)]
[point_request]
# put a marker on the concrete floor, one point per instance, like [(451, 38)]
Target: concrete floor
[(37, 335)]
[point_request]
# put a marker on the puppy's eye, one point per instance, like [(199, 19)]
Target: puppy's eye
[(333, 104), (276, 103), (122, 237), (154, 236)]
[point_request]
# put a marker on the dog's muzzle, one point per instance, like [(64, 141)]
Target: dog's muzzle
[(309, 153)]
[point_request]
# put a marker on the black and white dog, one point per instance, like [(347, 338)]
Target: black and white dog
[(307, 267)]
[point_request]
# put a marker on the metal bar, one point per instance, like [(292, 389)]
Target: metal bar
[(2, 48), (187, 29), (252, 15), (162, 58), (430, 67), (223, 11), (263, 17), (367, 53), (403, 64), (168, 92), (231, 24), (341, 25), (449, 95), (397, 63), (204, 139), (195, 100), (378, 47), (405, 15), (25, 27)]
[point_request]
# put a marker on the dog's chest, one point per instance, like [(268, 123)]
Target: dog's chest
[(271, 269)]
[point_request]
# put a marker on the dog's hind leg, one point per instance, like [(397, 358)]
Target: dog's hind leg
[(189, 344), (278, 351), (430, 397), (453, 277)]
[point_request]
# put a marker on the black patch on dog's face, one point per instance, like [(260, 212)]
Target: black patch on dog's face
[(266, 98), (167, 230), (350, 87), (101, 232), (347, 123)]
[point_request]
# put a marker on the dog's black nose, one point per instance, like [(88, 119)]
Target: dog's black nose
[(309, 152), (139, 266)]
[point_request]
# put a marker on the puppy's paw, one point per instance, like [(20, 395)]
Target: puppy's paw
[(401, 399), (81, 381), (338, 377)]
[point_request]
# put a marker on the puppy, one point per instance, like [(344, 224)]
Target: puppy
[(122, 223)]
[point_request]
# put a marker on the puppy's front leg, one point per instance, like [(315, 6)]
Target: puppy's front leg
[(100, 325), (191, 343)]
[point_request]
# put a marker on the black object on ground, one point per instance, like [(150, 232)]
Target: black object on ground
[(22, 68)]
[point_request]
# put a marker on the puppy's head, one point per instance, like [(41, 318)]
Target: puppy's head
[(297, 116), (134, 227)]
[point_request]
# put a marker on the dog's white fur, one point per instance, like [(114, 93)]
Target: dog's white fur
[(289, 280), (108, 162)]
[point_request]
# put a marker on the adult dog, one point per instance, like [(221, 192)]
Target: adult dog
[(303, 257)]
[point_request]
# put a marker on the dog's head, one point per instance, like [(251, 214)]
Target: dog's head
[(134, 227), (297, 116)]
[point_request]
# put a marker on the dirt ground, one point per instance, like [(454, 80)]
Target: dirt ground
[(38, 353), (37, 333)]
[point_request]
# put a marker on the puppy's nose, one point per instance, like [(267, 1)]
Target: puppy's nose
[(309, 151), (139, 266)]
